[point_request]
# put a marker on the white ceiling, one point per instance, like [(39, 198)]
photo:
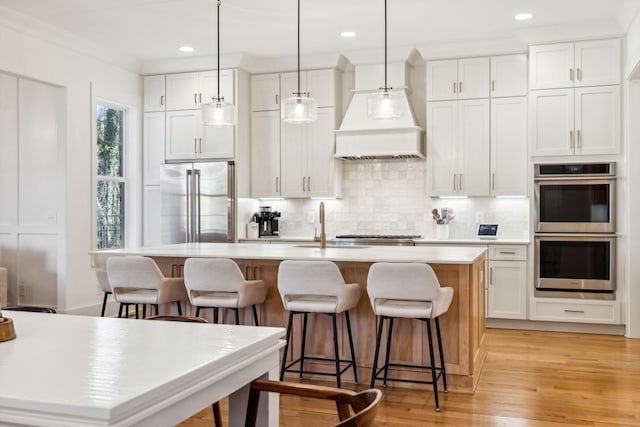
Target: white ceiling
[(154, 29)]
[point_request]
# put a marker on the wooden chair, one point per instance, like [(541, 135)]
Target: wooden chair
[(32, 309), (363, 404), (217, 415)]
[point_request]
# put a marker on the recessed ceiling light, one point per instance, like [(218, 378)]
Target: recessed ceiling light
[(348, 34), (523, 16), (186, 49)]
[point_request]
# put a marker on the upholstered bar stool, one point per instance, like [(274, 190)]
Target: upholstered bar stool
[(219, 283), (411, 291), (100, 267), (138, 280), (317, 287)]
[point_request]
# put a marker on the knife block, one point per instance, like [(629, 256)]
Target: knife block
[(7, 331)]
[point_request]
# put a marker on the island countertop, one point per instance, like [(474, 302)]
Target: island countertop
[(426, 254)]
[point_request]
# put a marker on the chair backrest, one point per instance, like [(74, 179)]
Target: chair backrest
[(402, 281), (354, 409), (100, 267), (171, 318), (309, 278), (212, 274), (133, 272), (32, 309)]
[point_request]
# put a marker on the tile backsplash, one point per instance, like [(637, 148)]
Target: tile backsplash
[(388, 197)]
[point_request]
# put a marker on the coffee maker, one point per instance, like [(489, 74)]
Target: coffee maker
[(267, 222)]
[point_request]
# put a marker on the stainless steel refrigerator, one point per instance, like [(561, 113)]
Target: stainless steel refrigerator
[(198, 202)]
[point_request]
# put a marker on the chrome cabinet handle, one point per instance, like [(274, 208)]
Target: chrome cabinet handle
[(309, 183), (200, 145), (454, 87), (578, 139), (161, 99), (571, 74), (493, 85), (507, 252), (460, 182), (195, 145), (579, 74), (493, 181), (276, 99), (570, 139), (454, 182), (200, 98), (195, 98), (491, 276), (304, 179), (277, 184), (460, 87)]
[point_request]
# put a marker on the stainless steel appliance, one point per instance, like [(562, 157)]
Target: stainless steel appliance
[(198, 202), (575, 241), (267, 222), (375, 240), (575, 266), (575, 198)]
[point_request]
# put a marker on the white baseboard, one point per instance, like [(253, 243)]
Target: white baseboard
[(532, 325)]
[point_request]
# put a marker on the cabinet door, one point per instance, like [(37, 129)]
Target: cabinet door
[(473, 78), (151, 214), (320, 151), (265, 154), (509, 146), (597, 120), (217, 142), (551, 118), (507, 287), (209, 86), (154, 93), (265, 92), (289, 83), (597, 63), (551, 66), (442, 140), (442, 80), (509, 75), (294, 160), (183, 91), (473, 147), (321, 85), (183, 135), (153, 147)]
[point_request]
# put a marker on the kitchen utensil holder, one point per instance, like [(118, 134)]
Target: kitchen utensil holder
[(442, 231)]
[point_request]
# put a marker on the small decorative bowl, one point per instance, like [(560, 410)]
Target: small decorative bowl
[(7, 331)]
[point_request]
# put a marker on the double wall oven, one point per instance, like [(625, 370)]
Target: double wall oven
[(575, 240)]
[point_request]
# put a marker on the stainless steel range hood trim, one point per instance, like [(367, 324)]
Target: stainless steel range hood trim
[(395, 143)]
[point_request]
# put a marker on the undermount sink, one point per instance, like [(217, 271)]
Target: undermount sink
[(331, 246)]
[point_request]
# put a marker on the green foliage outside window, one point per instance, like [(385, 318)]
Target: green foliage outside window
[(110, 189)]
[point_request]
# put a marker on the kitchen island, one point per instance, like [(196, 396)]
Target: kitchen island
[(461, 268)]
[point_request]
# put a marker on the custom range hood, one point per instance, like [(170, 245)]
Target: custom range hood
[(360, 137)]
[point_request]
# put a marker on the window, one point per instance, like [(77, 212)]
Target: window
[(110, 180)]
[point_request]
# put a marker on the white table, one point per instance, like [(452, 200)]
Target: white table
[(65, 370)]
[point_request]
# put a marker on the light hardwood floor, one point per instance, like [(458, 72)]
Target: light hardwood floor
[(529, 379)]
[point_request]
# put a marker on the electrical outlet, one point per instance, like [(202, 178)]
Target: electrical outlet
[(311, 217), (22, 291), (479, 217)]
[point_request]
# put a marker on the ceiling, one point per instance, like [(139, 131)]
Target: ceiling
[(154, 29)]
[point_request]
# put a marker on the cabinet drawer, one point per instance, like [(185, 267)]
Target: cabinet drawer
[(508, 252), (581, 312)]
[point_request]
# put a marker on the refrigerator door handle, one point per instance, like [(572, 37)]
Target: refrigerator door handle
[(197, 230), (188, 201)]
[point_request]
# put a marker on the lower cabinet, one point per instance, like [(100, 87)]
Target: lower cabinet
[(583, 311), (507, 282)]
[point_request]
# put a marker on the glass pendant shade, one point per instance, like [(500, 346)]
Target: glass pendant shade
[(384, 105), (299, 109), (218, 113)]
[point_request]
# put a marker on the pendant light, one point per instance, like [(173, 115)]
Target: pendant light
[(385, 104), (217, 112), (299, 108)]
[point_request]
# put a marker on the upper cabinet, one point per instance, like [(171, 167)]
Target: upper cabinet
[(265, 92), (509, 75), (458, 79), (567, 65), (189, 91), (154, 94), (188, 139), (319, 84), (509, 146)]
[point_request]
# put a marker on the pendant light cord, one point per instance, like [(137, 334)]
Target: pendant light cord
[(386, 89), (220, 1), (299, 93)]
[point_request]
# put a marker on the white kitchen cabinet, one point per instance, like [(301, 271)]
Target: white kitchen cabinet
[(187, 139), (509, 146), (188, 91), (151, 210), (154, 95), (265, 154), (575, 311), (265, 92), (153, 146), (507, 282), (580, 64), (319, 84), (458, 147), (509, 75), (308, 166), (466, 78), (577, 121)]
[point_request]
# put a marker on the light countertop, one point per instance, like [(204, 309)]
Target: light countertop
[(435, 254), (426, 241)]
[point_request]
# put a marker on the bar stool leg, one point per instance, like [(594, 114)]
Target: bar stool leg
[(433, 365), (377, 352), (215, 315), (144, 311), (120, 310), (126, 309), (157, 309), (255, 315), (444, 370), (353, 356), (197, 311), (335, 348), (386, 359), (179, 308), (304, 342), (137, 312), (286, 346), (237, 315), (104, 303)]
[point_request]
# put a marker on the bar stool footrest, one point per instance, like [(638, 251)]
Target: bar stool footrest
[(438, 370), (348, 363)]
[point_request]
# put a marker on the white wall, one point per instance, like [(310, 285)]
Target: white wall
[(27, 51)]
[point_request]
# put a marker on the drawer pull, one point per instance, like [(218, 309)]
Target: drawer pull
[(574, 311), (507, 252)]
